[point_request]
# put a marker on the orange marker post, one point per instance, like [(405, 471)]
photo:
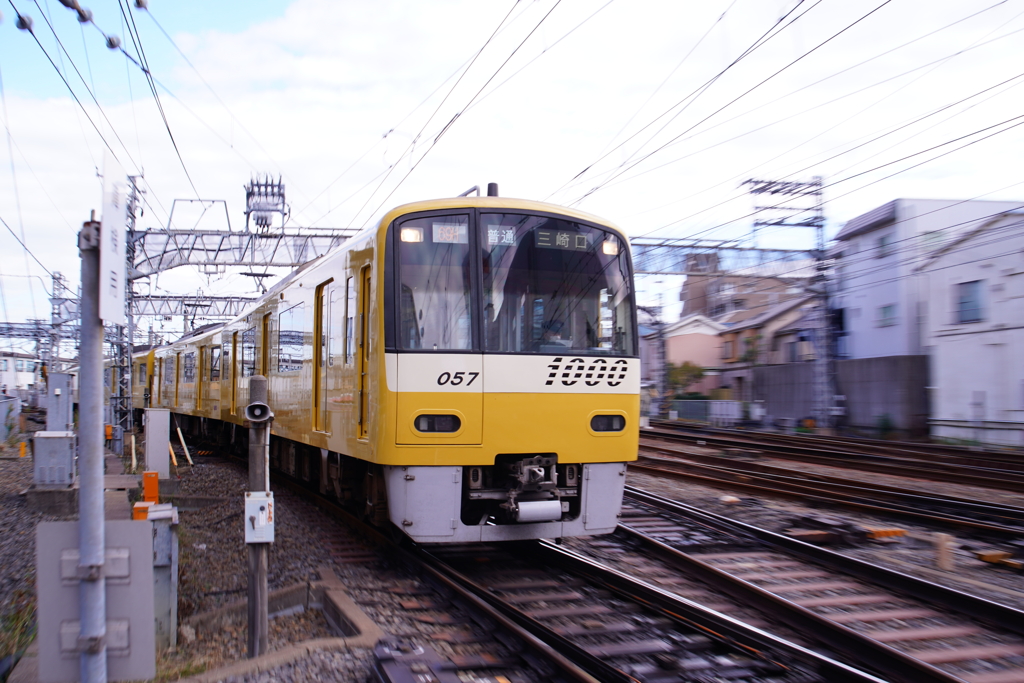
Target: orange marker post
[(151, 487), (140, 511), (21, 449)]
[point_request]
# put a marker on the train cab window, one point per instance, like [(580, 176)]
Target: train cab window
[(290, 333), (435, 262), (249, 352), (214, 364), (533, 305)]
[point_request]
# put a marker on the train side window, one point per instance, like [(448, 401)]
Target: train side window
[(336, 325), (350, 325), (249, 352), (188, 368), (290, 333), (214, 363), (142, 373), (169, 370)]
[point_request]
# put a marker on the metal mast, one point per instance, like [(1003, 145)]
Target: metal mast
[(801, 205), (121, 347)]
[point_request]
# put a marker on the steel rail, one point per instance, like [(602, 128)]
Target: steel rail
[(1010, 481), (965, 505), (993, 613), (1011, 460), (774, 488), (747, 638), (908, 448), (887, 661), (576, 663), (567, 665)]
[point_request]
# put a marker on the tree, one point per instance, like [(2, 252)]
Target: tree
[(679, 377)]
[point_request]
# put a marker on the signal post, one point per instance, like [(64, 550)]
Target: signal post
[(259, 512)]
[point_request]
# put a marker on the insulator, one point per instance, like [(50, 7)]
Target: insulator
[(70, 4), (141, 4), (113, 42), (84, 15), (24, 22)]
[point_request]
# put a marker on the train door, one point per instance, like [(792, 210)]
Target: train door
[(321, 328), (364, 351), (232, 374)]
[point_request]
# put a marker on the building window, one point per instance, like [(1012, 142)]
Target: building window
[(727, 350), (887, 315), (968, 302), (19, 366), (3, 365), (884, 246), (792, 355)]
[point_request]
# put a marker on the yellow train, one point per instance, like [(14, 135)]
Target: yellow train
[(467, 369)]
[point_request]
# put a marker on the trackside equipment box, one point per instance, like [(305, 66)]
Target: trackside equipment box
[(53, 455)]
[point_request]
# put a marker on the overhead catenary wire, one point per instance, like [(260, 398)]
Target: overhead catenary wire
[(784, 119), (736, 99), (14, 185), (760, 41), (133, 32), (28, 27), (412, 144), (760, 108), (470, 107), (907, 245), (468, 104)]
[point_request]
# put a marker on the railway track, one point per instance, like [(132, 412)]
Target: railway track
[(536, 612), (935, 468), (627, 630), (992, 459), (989, 520), (911, 629)]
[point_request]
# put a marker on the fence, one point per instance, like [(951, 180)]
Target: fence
[(717, 413)]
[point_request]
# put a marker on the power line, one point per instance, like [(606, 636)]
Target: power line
[(25, 23), (785, 119), (734, 100), (14, 183), (468, 104), (761, 40), (133, 31), (438, 108)]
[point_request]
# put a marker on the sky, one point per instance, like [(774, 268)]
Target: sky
[(649, 113)]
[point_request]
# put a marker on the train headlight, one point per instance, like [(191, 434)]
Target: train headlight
[(610, 247), (608, 423), (438, 423), (412, 234)]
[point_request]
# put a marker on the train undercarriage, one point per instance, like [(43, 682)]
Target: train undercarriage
[(519, 496)]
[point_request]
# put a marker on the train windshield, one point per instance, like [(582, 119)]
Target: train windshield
[(435, 301), (552, 286)]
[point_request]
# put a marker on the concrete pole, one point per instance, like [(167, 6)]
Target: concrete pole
[(91, 541), (259, 480)]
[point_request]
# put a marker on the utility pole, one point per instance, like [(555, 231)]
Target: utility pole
[(259, 512), (801, 205), (91, 535)]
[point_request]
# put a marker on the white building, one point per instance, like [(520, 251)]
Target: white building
[(975, 287), (884, 306), (18, 370)]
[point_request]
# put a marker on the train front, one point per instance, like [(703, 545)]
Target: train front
[(513, 373)]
